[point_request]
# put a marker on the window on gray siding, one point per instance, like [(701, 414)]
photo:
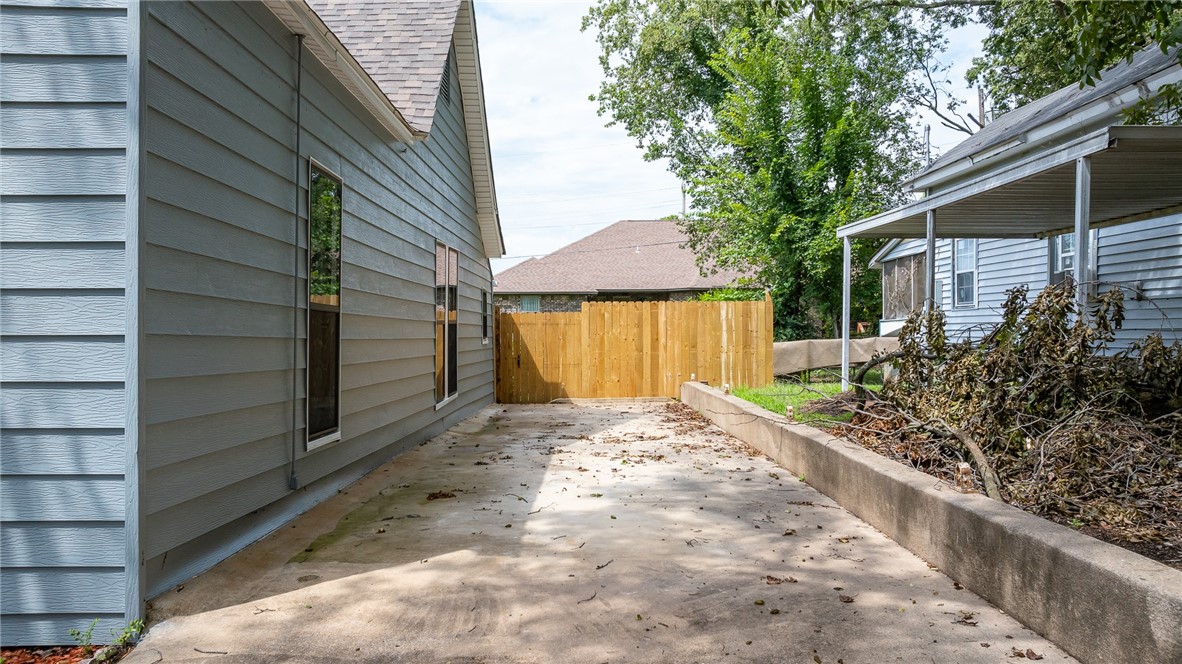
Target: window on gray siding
[(531, 303), (485, 316), (1062, 257), (964, 270), (324, 307), (447, 268)]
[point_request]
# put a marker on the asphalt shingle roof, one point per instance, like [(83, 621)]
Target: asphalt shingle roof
[(402, 44), (626, 256)]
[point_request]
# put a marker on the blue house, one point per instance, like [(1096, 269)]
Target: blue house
[(245, 259), (1059, 188)]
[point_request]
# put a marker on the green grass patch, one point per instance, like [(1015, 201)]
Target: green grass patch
[(801, 389)]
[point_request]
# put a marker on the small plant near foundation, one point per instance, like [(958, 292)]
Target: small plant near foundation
[(83, 637)]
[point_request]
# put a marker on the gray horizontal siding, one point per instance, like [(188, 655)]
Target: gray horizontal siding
[(37, 126), (76, 590), (222, 190), (62, 498), (61, 452), (63, 79), (64, 218), (63, 317), (43, 544), (1146, 253), (51, 31), (1149, 254)]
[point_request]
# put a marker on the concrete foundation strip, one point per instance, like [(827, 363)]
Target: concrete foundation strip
[(1099, 602)]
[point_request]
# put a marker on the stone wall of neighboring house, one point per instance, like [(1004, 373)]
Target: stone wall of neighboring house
[(547, 303), (567, 303)]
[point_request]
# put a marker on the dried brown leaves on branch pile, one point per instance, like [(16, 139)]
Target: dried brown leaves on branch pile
[(1064, 426)]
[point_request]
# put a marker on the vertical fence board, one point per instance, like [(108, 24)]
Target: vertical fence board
[(631, 349)]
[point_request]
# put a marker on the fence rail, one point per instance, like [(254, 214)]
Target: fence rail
[(631, 349)]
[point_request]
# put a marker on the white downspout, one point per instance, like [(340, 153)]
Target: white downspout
[(1083, 233), (845, 314), (929, 298)]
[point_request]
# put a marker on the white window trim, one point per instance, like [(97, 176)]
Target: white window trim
[(448, 398), (531, 311), (956, 304), (333, 436), (487, 307)]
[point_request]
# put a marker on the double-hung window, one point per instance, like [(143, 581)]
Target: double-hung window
[(324, 308), (964, 270), (447, 268), (1062, 257)]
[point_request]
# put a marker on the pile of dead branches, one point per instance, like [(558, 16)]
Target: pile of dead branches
[(1052, 419)]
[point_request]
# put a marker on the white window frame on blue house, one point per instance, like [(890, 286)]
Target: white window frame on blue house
[(959, 259)]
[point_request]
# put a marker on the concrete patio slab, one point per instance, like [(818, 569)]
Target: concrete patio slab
[(590, 532)]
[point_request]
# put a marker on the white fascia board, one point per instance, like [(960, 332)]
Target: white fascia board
[(1109, 106), (476, 126), (301, 19), (1090, 144), (876, 259)]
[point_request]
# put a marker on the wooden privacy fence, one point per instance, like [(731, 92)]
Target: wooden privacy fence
[(631, 349)]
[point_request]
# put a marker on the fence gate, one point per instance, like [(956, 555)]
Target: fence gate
[(631, 349)]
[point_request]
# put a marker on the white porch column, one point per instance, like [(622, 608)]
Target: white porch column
[(1083, 233), (845, 313), (929, 288)]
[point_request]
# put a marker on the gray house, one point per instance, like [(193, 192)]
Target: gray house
[(245, 260), (1144, 258), (1057, 188)]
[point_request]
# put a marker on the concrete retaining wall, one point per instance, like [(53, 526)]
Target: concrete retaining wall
[(789, 357), (1099, 602)]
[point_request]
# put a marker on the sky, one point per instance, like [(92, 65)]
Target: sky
[(560, 173)]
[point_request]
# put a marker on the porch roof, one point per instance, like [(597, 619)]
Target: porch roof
[(1136, 174)]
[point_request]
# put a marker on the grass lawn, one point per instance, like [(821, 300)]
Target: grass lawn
[(801, 389)]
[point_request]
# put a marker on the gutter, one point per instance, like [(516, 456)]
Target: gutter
[(1079, 120), (301, 19)]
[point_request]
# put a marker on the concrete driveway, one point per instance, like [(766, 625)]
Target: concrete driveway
[(601, 532)]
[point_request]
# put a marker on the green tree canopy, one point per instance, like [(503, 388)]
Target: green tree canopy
[(1035, 47), (784, 125), (789, 118)]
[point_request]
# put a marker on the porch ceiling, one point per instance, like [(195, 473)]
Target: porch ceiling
[(1136, 174)]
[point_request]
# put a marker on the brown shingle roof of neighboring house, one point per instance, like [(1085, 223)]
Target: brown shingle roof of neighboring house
[(626, 256), (402, 45)]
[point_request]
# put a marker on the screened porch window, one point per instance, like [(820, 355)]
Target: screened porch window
[(447, 268), (903, 286), (324, 308), (964, 269)]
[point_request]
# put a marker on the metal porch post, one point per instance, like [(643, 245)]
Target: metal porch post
[(929, 289), (845, 313), (1083, 233)]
